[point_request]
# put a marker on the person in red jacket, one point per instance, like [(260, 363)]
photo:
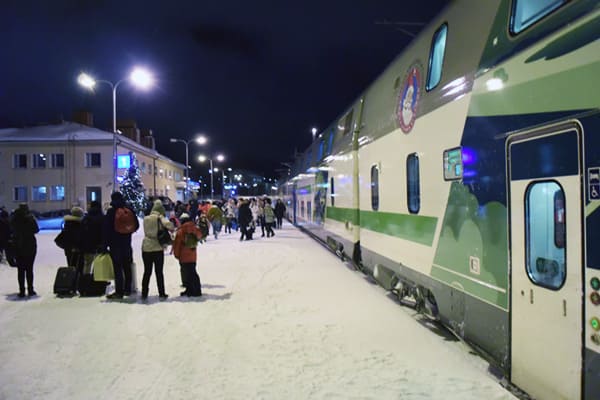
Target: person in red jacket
[(184, 249)]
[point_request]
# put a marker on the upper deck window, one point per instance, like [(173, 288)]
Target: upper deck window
[(527, 12), (436, 57)]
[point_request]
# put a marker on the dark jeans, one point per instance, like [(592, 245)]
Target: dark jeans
[(261, 221), (156, 258), (279, 222), (122, 267), (269, 228), (25, 270), (191, 280)]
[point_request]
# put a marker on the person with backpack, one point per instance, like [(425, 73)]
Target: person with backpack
[(120, 223), (23, 228), (215, 216), (184, 248), (153, 252)]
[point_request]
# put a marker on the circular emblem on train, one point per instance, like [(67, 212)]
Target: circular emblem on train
[(408, 98)]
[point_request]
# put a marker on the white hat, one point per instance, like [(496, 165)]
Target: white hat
[(184, 216)]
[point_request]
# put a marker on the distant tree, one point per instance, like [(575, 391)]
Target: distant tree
[(132, 186)]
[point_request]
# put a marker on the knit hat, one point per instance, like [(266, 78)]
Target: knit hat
[(77, 212), (184, 216), (158, 207)]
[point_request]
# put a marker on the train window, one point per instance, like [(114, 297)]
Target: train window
[(545, 230), (436, 57), (413, 190), (375, 187), (345, 124), (453, 165), (527, 12), (332, 193), (330, 144)]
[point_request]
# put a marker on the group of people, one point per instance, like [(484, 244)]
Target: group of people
[(86, 234)]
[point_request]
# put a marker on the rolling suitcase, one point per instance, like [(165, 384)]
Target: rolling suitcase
[(65, 281)]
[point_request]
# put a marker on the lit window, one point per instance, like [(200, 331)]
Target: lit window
[(57, 193), (546, 234), (57, 160), (413, 190), (20, 161), (436, 57), (375, 187), (38, 160), (20, 193), (38, 193), (528, 12), (92, 160)]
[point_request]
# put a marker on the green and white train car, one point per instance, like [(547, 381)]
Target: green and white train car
[(467, 178)]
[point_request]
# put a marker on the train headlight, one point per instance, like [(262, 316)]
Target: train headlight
[(595, 322), (595, 298), (595, 282)]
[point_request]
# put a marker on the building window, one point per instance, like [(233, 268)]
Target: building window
[(38, 160), (92, 160), (57, 160), (38, 193), (527, 12), (436, 57), (149, 169), (545, 230), (413, 185), (143, 167), (57, 193), (375, 187), (20, 193), (177, 176), (20, 161)]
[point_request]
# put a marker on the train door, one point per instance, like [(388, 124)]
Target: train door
[(546, 261)]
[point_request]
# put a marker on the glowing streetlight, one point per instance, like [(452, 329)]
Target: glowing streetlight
[(314, 133), (220, 158), (139, 77)]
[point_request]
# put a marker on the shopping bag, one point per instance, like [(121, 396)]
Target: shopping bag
[(103, 268)]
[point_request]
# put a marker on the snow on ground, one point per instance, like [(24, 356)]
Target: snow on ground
[(281, 318)]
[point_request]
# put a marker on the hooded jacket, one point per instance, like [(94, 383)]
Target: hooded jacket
[(182, 253), (151, 226)]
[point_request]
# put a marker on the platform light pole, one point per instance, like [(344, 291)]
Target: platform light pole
[(199, 140), (140, 78), (220, 158)]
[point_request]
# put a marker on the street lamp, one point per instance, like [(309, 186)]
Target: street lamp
[(199, 140), (202, 158), (140, 78)]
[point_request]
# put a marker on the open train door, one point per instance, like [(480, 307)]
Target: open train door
[(544, 173)]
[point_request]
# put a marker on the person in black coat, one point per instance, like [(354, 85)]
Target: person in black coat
[(245, 219), (93, 242), (4, 230), (24, 227), (119, 246), (279, 212), (72, 239)]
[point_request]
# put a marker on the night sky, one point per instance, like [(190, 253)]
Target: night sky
[(253, 76)]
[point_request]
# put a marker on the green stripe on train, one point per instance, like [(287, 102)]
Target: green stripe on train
[(415, 228), (472, 234)]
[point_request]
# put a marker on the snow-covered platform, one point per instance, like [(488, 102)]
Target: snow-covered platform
[(281, 318)]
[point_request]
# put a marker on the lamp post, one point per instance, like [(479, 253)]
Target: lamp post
[(140, 78), (199, 140), (202, 158), (314, 133)]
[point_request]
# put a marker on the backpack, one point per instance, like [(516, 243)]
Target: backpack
[(125, 221), (190, 240)]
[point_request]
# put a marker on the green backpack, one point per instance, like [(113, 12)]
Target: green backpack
[(190, 240)]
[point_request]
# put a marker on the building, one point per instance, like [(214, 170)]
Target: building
[(57, 166)]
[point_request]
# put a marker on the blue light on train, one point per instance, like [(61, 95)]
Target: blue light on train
[(469, 156)]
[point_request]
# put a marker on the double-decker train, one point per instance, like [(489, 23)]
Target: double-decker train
[(466, 178)]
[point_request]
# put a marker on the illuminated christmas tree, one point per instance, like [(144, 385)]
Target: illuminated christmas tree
[(132, 186)]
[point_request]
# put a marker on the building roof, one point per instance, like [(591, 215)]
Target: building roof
[(72, 131), (52, 133)]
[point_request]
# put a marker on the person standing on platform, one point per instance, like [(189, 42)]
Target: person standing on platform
[(24, 227), (120, 223), (245, 220), (184, 249), (215, 216), (153, 253), (279, 213), (269, 217)]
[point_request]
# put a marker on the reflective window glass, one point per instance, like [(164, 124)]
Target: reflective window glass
[(528, 12), (546, 234), (375, 187), (413, 185), (436, 57)]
